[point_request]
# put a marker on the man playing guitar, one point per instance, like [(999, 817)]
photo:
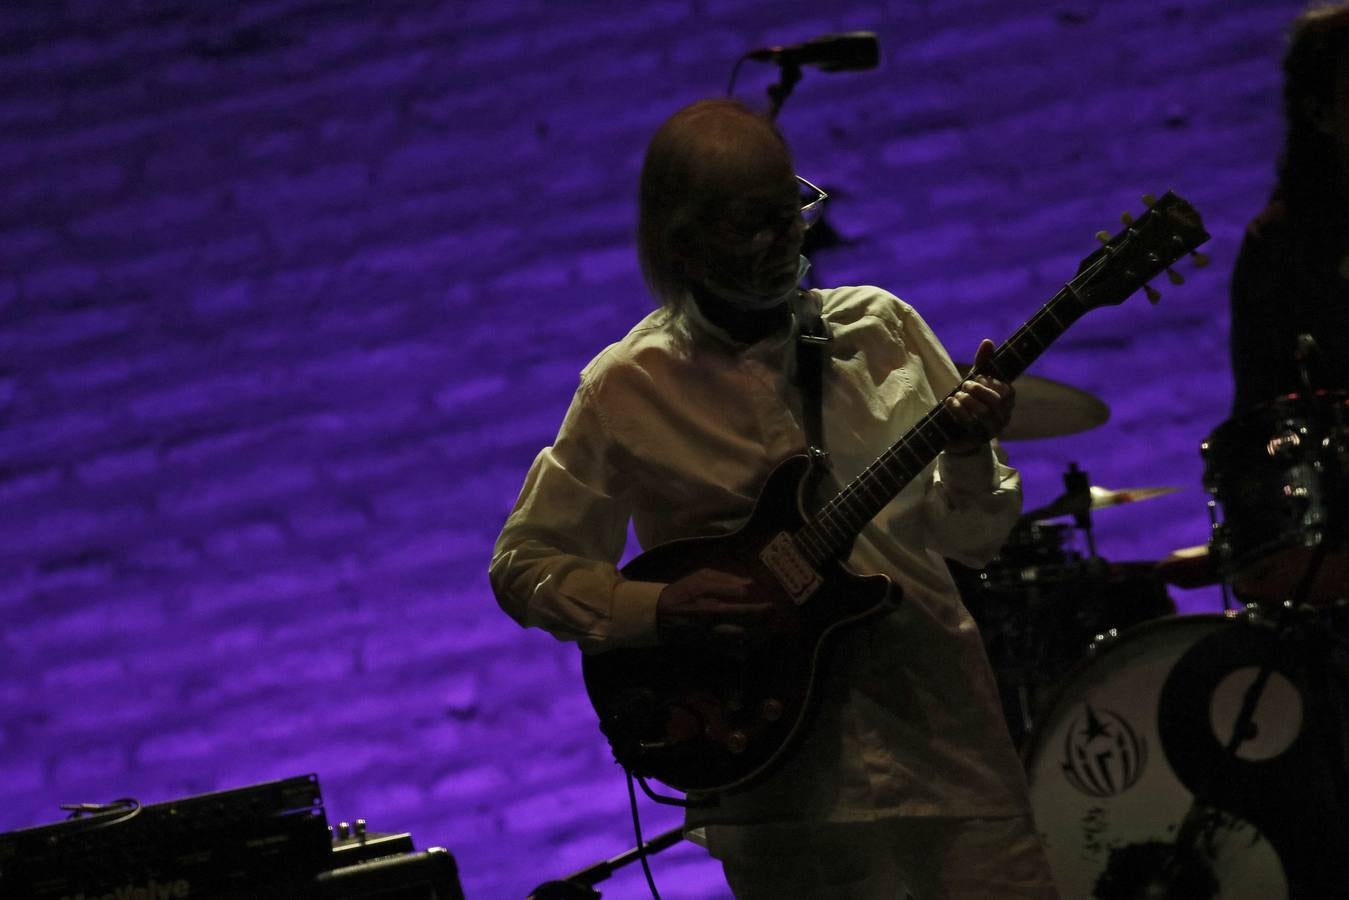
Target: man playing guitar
[(905, 777)]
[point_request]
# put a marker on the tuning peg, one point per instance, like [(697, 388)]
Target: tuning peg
[(1149, 199), (1103, 237), (1153, 294), (1126, 218), (1174, 277), (1200, 259)]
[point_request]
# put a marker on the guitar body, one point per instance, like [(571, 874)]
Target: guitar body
[(713, 719), (716, 718)]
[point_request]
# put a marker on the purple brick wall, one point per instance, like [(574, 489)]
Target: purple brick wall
[(291, 292)]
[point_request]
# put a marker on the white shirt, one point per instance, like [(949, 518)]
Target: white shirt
[(675, 428)]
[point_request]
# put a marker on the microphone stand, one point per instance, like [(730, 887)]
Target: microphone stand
[(581, 885), (789, 73)]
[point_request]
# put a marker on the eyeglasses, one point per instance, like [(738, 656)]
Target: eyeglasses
[(751, 240), (812, 201)]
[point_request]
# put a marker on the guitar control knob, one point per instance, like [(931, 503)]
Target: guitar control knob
[(771, 710), (737, 741), (343, 830), (359, 828)]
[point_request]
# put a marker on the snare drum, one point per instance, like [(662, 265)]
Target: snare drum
[(1138, 731), (1281, 475), (1034, 554)]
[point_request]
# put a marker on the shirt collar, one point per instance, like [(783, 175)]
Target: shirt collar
[(701, 329)]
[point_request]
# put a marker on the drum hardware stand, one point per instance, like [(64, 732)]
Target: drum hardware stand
[(1305, 351), (1214, 529), (1076, 482)]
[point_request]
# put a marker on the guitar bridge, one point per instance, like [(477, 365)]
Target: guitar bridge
[(797, 577)]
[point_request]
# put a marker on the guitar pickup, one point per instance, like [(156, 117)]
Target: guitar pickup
[(797, 577)]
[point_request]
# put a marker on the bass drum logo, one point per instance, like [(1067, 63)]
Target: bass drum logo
[(1102, 755)]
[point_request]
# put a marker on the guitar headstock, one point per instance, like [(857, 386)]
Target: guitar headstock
[(1168, 230)]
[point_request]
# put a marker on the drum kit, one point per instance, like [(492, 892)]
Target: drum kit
[(1185, 756)]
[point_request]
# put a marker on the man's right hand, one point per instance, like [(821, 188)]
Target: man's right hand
[(705, 606)]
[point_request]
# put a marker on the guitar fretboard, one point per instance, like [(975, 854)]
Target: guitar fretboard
[(830, 533)]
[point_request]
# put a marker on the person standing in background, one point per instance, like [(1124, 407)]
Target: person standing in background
[(906, 779), (1292, 274)]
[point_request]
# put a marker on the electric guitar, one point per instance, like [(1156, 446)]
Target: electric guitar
[(708, 720)]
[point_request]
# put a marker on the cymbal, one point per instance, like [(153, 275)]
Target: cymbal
[(1189, 567), (1047, 408), (1096, 497)]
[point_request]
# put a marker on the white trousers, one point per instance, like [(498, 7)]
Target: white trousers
[(930, 858)]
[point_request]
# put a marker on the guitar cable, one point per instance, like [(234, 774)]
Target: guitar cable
[(673, 801), (637, 830)]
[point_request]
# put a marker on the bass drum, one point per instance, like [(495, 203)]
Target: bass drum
[(1136, 736)]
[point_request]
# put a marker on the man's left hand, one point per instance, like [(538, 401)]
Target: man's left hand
[(982, 406)]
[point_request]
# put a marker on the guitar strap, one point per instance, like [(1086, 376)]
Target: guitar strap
[(812, 334)]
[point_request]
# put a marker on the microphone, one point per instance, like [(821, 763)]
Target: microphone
[(831, 53)]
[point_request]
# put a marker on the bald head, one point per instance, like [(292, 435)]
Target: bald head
[(717, 148)]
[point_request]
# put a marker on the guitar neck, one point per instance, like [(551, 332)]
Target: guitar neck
[(832, 530), (1168, 229)]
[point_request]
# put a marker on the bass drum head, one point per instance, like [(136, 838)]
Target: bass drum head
[(1108, 805)]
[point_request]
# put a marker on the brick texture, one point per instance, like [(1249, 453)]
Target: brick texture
[(292, 291)]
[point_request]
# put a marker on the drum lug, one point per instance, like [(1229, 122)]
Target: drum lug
[(1101, 641)]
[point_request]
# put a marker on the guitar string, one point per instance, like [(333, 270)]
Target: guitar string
[(850, 509), (825, 535), (886, 462)]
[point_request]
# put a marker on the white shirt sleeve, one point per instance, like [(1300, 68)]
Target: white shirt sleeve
[(971, 502), (554, 564)]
